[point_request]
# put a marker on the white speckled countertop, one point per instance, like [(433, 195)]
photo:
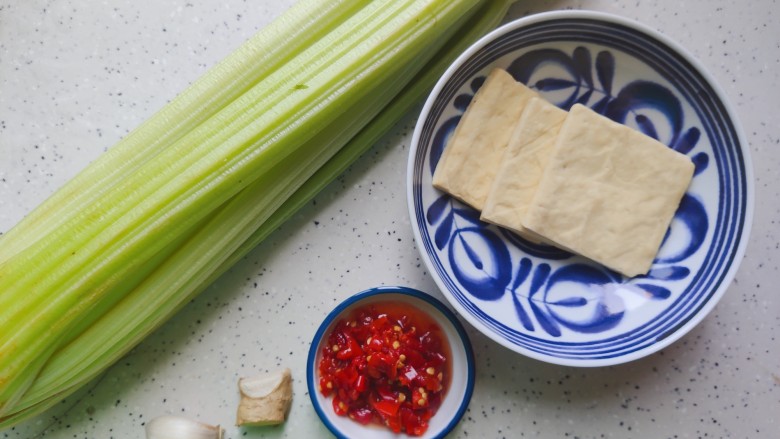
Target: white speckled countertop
[(75, 76)]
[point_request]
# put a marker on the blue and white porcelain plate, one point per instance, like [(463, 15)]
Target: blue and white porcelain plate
[(546, 303)]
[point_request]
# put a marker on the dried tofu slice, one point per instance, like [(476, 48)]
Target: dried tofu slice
[(471, 159), (609, 192), (524, 162)]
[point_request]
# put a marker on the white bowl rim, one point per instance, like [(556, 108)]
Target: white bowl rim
[(730, 111), (311, 369)]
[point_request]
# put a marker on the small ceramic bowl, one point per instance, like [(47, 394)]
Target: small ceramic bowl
[(543, 302), (460, 386)]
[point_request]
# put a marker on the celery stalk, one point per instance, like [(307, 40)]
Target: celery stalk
[(81, 237), (484, 20), (270, 48), (108, 340), (213, 155), (103, 252), (185, 177)]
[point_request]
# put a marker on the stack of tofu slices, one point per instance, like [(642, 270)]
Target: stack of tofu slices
[(573, 179)]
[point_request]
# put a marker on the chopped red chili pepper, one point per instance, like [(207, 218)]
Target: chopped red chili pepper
[(386, 364)]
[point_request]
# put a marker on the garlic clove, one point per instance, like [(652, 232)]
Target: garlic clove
[(265, 399), (180, 427)]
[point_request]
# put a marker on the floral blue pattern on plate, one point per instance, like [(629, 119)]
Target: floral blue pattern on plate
[(544, 302)]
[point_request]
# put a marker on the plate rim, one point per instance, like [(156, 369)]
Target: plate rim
[(739, 251)]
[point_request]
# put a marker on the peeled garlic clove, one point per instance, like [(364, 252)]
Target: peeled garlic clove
[(179, 427), (265, 399)]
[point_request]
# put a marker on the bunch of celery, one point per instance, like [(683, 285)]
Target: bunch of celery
[(131, 239)]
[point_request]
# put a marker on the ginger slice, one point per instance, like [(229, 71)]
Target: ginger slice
[(265, 399)]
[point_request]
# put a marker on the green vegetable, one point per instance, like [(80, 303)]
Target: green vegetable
[(268, 50), (172, 206)]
